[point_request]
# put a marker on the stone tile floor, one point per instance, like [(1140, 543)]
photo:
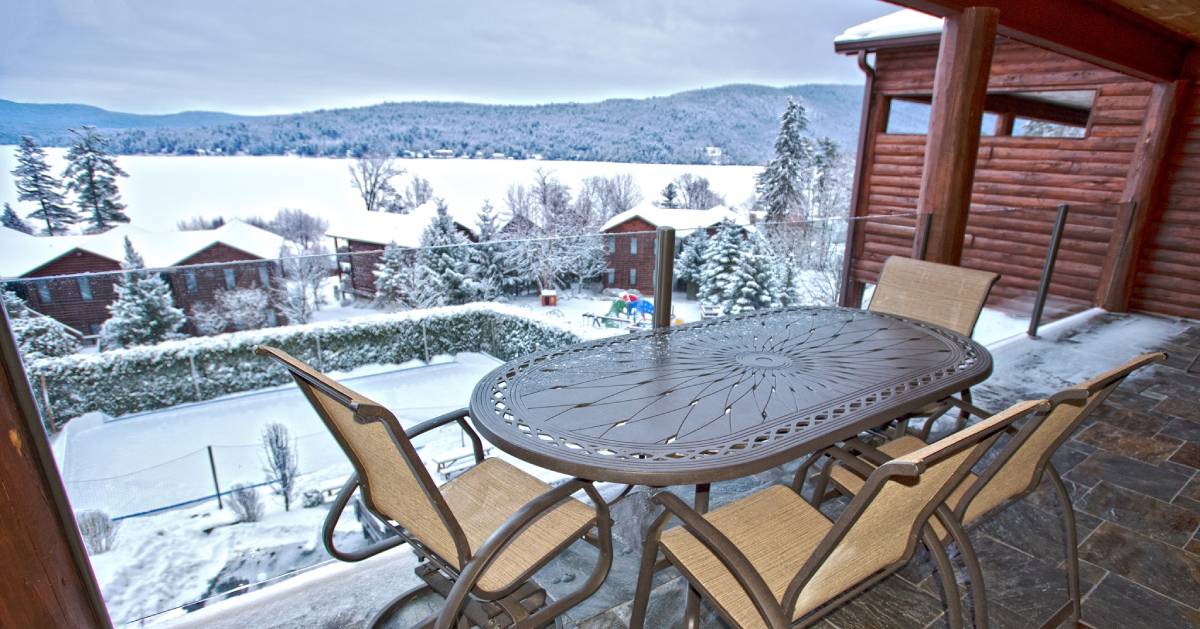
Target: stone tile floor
[(1132, 470)]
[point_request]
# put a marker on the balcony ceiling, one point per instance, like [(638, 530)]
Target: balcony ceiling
[(1181, 16)]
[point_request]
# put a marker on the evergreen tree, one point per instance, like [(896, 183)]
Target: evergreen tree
[(11, 220), (493, 269), (780, 185), (754, 284), (722, 256), (690, 263), (445, 255), (399, 283), (143, 312), (670, 196), (789, 281), (92, 175), (36, 184)]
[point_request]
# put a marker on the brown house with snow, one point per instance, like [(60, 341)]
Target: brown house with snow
[(629, 241)]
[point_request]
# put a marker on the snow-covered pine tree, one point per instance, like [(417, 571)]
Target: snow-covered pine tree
[(445, 255), (12, 220), (781, 183), (143, 312), (401, 283), (721, 259), (789, 281), (36, 184), (492, 269), (91, 174), (690, 263), (670, 196), (756, 283)]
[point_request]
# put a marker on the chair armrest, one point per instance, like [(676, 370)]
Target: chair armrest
[(458, 416), (853, 463), (498, 540), (331, 520), (734, 560)]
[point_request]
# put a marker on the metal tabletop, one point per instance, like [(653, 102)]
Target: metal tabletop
[(720, 398)]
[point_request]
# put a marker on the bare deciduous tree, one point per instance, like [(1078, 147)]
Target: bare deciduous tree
[(416, 193), (243, 499), (281, 462), (299, 227), (372, 176), (99, 532), (696, 193)]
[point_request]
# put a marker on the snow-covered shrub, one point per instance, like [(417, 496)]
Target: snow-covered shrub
[(144, 311), (312, 498), (99, 532), (243, 499), (43, 337), (148, 378), (244, 308)]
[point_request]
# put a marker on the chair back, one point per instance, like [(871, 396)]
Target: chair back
[(1018, 467), (880, 527), (395, 484), (941, 294)]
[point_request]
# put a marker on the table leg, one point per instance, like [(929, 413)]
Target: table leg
[(691, 614)]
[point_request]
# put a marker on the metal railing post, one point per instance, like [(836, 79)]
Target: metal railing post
[(1039, 303), (212, 465), (664, 275)]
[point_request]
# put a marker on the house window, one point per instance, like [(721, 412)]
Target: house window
[(632, 278), (633, 246), (264, 278), (612, 277), (612, 244), (189, 281), (43, 290), (85, 288), (230, 280), (272, 320)]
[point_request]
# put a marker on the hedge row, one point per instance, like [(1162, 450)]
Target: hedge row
[(148, 378)]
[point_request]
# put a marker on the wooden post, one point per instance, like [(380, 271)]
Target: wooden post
[(952, 146), (1004, 124), (873, 122), (45, 577), (1139, 200)]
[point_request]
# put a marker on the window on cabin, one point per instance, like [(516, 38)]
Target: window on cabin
[(633, 246), (612, 277), (43, 291), (264, 278), (189, 281), (632, 278), (1048, 113), (612, 244), (230, 279), (85, 288)]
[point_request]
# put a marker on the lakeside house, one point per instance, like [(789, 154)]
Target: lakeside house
[(629, 241), (72, 278)]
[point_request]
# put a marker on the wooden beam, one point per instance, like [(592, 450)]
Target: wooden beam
[(1142, 196), (45, 577), (875, 111), (1099, 31), (1005, 123), (952, 145)]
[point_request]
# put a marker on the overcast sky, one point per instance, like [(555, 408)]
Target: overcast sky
[(272, 56)]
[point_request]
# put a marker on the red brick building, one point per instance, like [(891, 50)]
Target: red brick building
[(72, 278), (629, 244)]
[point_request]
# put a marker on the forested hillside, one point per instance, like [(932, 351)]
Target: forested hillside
[(740, 120)]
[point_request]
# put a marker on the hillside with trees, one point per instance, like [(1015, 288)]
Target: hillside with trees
[(740, 120)]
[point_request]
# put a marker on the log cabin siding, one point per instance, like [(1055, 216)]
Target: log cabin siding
[(1168, 272), (1034, 175)]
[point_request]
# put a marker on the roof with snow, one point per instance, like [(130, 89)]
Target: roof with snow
[(901, 24), (387, 227), (21, 253), (684, 221)]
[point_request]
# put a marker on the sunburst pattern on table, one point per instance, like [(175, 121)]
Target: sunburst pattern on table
[(730, 383)]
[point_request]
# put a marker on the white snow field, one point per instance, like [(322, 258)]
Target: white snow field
[(161, 190)]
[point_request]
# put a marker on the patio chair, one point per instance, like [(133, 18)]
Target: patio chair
[(480, 536), (772, 560), (1016, 471), (948, 296)]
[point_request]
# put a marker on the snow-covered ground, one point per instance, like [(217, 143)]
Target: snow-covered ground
[(162, 190)]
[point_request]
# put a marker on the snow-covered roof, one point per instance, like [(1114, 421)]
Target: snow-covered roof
[(684, 221), (21, 253), (903, 23), (387, 227)]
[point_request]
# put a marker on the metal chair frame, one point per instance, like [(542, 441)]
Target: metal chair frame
[(465, 599)]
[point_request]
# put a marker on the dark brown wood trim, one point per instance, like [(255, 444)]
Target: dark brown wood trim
[(952, 144), (1142, 195), (873, 115), (46, 579), (1099, 31)]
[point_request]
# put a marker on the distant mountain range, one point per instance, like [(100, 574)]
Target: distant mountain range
[(739, 120)]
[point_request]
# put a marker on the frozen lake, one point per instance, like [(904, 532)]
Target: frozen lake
[(161, 190)]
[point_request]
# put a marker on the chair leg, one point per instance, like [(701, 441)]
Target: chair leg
[(641, 596), (945, 570), (974, 572), (1070, 537), (963, 415), (691, 614)]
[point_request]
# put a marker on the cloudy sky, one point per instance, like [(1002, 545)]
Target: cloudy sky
[(270, 56)]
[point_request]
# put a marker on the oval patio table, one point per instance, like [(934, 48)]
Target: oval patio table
[(721, 398)]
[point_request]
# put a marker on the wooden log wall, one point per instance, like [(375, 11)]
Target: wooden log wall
[(1032, 175), (1168, 271)]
